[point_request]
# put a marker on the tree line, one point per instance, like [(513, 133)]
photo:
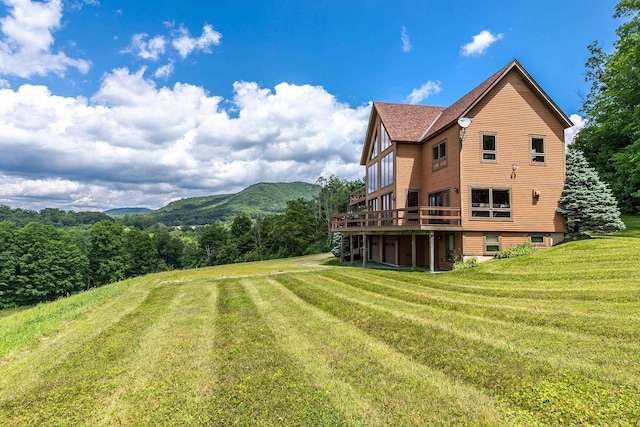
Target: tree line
[(51, 256)]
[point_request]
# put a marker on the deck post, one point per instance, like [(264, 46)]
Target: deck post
[(364, 249), (413, 251), (342, 247), (432, 252), (350, 247)]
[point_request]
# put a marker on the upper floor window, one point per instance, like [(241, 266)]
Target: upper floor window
[(439, 156), (372, 178), (386, 173), (374, 148), (489, 148), (537, 149), (385, 142), (491, 203)]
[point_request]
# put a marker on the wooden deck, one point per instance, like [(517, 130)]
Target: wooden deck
[(422, 218)]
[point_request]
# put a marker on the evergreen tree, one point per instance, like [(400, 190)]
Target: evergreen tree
[(587, 203), (611, 139)]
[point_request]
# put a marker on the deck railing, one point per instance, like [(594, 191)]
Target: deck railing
[(357, 196), (418, 217)]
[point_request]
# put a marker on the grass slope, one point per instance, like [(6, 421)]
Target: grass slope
[(548, 339), (256, 201)]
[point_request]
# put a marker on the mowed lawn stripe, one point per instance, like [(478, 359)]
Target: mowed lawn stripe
[(173, 375), (507, 375), (616, 359), (364, 377), (258, 384), (584, 317), (72, 392)]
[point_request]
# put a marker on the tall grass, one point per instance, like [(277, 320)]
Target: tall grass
[(547, 339)]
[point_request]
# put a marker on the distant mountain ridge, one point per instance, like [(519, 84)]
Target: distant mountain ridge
[(257, 201)]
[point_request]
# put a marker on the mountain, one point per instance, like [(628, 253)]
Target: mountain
[(257, 201), (127, 211)]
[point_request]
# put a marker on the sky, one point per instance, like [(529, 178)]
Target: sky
[(113, 103)]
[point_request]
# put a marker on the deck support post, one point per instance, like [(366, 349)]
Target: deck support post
[(364, 249), (413, 251), (350, 247), (432, 252)]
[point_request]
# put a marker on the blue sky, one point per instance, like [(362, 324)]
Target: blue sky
[(136, 103)]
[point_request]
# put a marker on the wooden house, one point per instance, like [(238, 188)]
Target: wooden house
[(448, 183)]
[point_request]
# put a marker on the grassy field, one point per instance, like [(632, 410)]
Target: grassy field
[(547, 339)]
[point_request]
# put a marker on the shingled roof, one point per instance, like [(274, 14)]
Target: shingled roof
[(415, 123)]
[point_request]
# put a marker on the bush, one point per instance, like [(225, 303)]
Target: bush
[(469, 263), (520, 250)]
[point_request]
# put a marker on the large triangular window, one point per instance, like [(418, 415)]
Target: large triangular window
[(374, 148)]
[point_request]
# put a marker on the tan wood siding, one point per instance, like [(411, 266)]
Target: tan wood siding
[(444, 178), (514, 113), (408, 171)]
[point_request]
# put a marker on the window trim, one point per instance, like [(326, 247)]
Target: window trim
[(537, 243), (535, 155), (441, 161), (491, 208), (373, 172), (386, 170), (483, 150), (485, 244)]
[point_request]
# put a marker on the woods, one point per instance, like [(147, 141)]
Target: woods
[(48, 254)]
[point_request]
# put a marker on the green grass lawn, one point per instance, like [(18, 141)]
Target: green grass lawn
[(548, 339)]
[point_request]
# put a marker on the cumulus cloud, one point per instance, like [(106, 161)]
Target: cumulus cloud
[(578, 123), (136, 143), (27, 40), (480, 43), (146, 48), (406, 41), (423, 92), (153, 48)]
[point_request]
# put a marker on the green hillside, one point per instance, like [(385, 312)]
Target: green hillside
[(127, 211), (256, 201), (552, 339)]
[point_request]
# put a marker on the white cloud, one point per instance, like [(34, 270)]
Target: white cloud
[(578, 123), (185, 44), (146, 48), (180, 40), (136, 143), (480, 43), (406, 41), (27, 39), (164, 71), (424, 91)]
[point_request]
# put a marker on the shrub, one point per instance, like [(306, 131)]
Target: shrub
[(469, 263), (520, 250)]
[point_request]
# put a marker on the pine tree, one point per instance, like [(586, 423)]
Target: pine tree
[(587, 203)]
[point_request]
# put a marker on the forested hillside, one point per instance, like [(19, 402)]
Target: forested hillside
[(257, 201)]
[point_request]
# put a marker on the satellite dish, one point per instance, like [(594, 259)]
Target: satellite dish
[(464, 122)]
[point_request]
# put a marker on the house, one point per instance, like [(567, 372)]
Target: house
[(448, 183)]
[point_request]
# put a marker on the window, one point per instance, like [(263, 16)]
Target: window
[(385, 141), (387, 208), (537, 149), (537, 239), (386, 174), (372, 178), (439, 159), (489, 152), (491, 203), (374, 149), (451, 248), (372, 207), (441, 198), (491, 244)]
